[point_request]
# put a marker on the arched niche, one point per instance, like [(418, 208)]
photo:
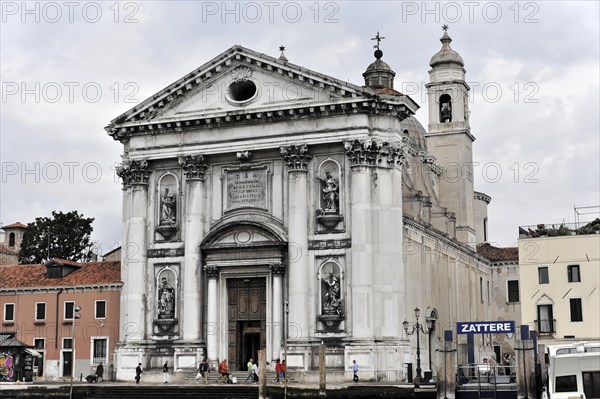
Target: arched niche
[(168, 205), (166, 294), (331, 296), (329, 173)]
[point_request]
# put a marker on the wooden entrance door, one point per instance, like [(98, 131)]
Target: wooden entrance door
[(247, 319)]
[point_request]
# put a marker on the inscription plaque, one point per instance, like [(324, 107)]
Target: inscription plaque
[(247, 187)]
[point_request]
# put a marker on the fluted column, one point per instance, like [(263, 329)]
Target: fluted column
[(277, 330), (296, 158), (194, 168), (134, 258), (212, 323)]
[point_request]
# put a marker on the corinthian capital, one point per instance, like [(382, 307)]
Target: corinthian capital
[(193, 166), (373, 153), (296, 157), (133, 172)]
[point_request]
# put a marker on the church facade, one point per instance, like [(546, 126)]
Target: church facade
[(269, 206)]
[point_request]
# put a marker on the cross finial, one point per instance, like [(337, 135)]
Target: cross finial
[(445, 28), (378, 38)]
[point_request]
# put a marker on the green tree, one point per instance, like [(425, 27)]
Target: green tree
[(64, 235)]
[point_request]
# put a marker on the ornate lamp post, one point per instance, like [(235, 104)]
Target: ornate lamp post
[(416, 328)]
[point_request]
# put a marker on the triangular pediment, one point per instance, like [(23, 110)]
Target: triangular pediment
[(240, 84)]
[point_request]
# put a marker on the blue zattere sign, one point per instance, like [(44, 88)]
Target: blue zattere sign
[(485, 327)]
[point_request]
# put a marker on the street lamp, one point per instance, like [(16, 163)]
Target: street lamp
[(417, 327), (76, 315)]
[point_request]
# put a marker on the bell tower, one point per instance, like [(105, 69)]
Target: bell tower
[(449, 136)]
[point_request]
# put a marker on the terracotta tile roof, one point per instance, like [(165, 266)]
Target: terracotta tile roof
[(384, 90), (31, 276), (15, 226), (6, 250), (498, 254)]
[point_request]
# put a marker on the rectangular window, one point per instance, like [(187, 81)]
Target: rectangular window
[(576, 313), (40, 311), (100, 310), (573, 273), (489, 293), (69, 310), (566, 383), (543, 275), (67, 343), (513, 291), (545, 319), (100, 349), (39, 343), (9, 312), (481, 288)]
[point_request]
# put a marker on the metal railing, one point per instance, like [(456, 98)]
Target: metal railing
[(559, 229), (487, 374)]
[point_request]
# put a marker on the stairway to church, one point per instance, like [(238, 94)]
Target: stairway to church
[(212, 391)]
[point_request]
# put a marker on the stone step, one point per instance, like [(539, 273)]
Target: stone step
[(173, 391)]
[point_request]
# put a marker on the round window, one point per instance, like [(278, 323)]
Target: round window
[(242, 91)]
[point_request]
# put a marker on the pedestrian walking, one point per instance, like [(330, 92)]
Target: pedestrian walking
[(355, 371), (277, 370), (283, 369), (203, 371), (138, 373), (255, 372), (166, 372), (249, 369), (224, 371), (99, 372)]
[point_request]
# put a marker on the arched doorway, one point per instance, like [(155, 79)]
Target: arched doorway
[(245, 260)]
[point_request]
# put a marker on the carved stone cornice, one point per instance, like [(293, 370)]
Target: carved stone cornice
[(373, 153), (193, 166), (211, 271), (278, 269), (296, 157), (133, 172)]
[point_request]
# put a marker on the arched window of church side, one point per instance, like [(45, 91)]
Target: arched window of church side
[(331, 289), (445, 108), (166, 284), (11, 240), (485, 229)]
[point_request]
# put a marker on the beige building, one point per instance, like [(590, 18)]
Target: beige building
[(560, 280), (10, 243), (269, 206)]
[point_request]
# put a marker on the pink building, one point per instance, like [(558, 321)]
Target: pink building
[(39, 303)]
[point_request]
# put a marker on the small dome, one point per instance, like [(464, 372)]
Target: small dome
[(379, 74), (415, 131), (378, 65), (446, 55)]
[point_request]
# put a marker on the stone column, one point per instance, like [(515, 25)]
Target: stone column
[(296, 158), (277, 325), (212, 322), (134, 258), (377, 268), (194, 168)]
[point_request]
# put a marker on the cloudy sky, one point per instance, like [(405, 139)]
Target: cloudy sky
[(68, 68)]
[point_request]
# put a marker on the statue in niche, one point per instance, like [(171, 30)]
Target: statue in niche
[(331, 192), (332, 303), (166, 300), (168, 208)]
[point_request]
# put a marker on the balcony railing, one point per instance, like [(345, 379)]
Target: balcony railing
[(559, 229), (546, 326)]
